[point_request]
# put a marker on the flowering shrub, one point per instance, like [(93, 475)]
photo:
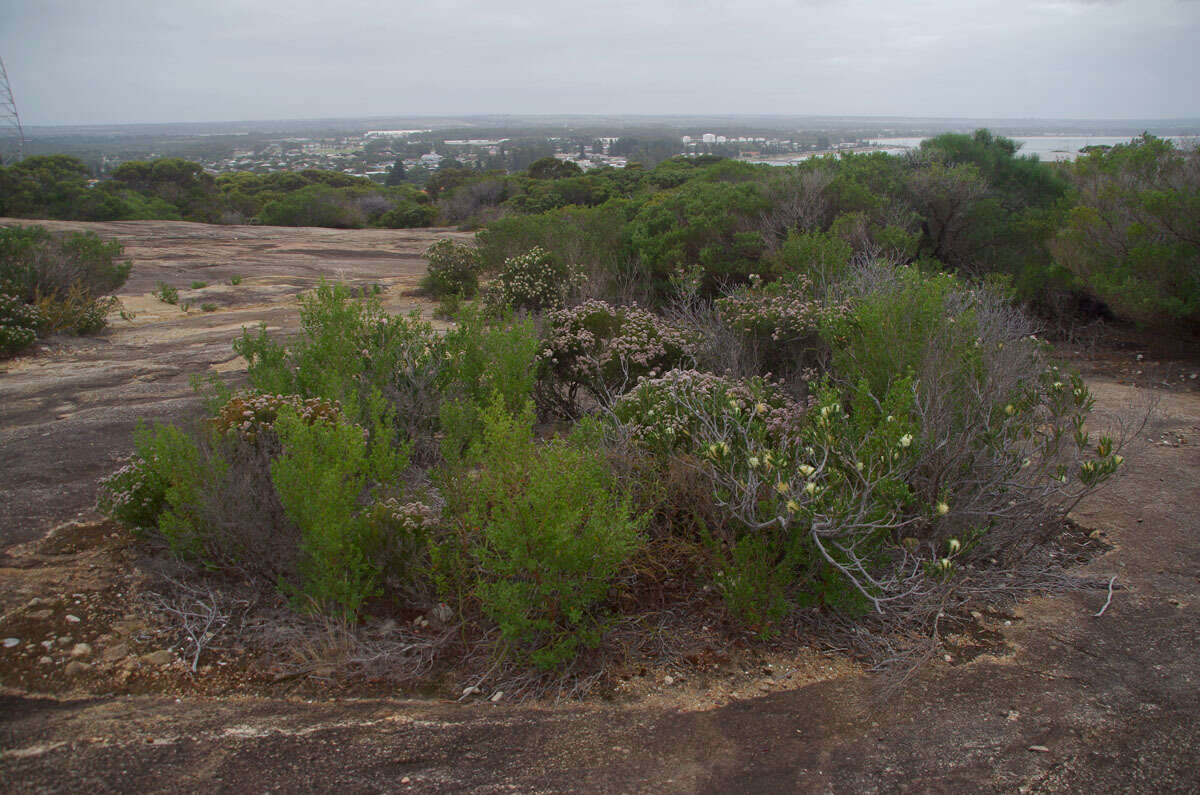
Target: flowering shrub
[(252, 414), (453, 269), (19, 322), (535, 280), (800, 486), (162, 469), (784, 310), (135, 494), (604, 349), (682, 409)]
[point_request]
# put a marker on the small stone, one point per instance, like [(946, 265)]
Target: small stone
[(114, 653), (47, 644), (497, 697), (469, 691), (44, 660), (64, 640), (1039, 749), (765, 687), (11, 642), (406, 780), (73, 619), (160, 657), (1013, 715), (668, 680), (81, 650), (947, 658), (39, 615), (75, 668)]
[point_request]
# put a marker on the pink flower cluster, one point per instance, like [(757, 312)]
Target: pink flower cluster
[(669, 411), (412, 515), (603, 348), (134, 494), (784, 310)]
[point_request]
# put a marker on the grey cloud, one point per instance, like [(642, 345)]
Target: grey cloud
[(126, 61)]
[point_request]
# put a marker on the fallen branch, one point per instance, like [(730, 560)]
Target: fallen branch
[(1107, 601)]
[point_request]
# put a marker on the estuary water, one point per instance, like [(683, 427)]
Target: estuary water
[(1046, 147)]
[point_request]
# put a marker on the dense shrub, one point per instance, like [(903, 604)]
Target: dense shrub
[(35, 262), (1133, 238), (315, 205), (546, 533), (453, 269), (67, 277), (706, 224)]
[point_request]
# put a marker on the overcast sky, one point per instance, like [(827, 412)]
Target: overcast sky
[(118, 61)]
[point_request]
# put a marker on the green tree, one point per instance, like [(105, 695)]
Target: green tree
[(1133, 238)]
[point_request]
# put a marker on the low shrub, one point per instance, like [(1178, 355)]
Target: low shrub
[(547, 533), (453, 269), (604, 350), (483, 359), (166, 293), (326, 472), (66, 276), (19, 323), (35, 262)]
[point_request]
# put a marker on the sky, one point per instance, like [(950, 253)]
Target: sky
[(143, 61)]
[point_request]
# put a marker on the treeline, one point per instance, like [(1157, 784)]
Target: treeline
[(1118, 231), (60, 186), (1115, 233)]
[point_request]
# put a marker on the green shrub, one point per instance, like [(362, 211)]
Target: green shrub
[(321, 478), (316, 205), (163, 478), (822, 258), (199, 285), (705, 224), (166, 293), (453, 269), (65, 275), (482, 360), (550, 535), (535, 281), (592, 237), (408, 215), (235, 280)]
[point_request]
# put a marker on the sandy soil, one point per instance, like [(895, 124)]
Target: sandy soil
[(1072, 701)]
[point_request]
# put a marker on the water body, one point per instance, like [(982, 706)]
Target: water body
[(1046, 147)]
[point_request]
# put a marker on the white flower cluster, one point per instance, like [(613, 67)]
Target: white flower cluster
[(536, 280)]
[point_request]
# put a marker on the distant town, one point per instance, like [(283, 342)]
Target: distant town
[(381, 149)]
